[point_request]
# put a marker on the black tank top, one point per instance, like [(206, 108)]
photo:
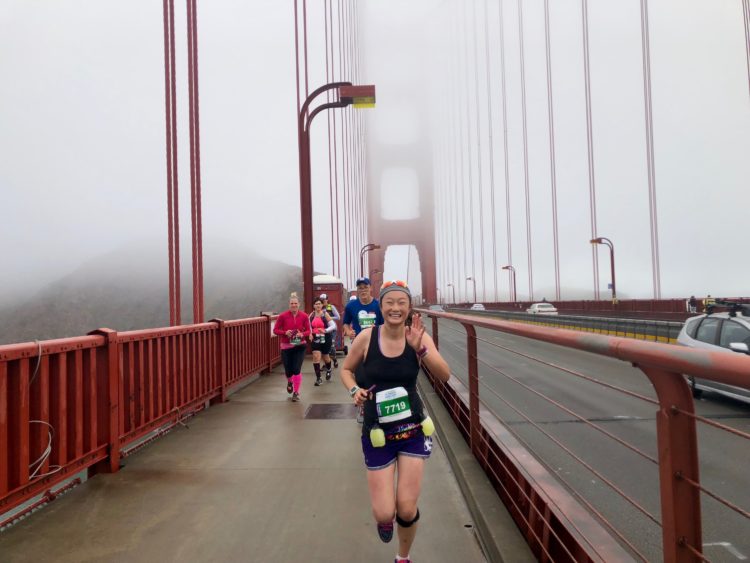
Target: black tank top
[(387, 373)]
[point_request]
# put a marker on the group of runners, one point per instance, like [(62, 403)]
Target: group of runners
[(389, 347), (296, 329)]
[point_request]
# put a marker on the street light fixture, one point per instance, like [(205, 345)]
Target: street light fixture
[(607, 242), (472, 280), (366, 248), (453, 288), (513, 295), (357, 96)]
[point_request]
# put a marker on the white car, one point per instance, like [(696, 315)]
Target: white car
[(438, 308), (720, 332), (542, 309), (477, 307)]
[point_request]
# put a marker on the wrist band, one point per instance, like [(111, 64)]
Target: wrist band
[(353, 391), (422, 352)]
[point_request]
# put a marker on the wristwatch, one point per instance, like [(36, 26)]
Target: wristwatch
[(353, 391)]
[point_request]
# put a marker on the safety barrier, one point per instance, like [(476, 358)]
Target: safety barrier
[(641, 329), (78, 403), (564, 533)]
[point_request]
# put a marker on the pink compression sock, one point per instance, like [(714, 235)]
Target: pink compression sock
[(297, 382)]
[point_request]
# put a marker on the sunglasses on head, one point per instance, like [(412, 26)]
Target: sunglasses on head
[(399, 283)]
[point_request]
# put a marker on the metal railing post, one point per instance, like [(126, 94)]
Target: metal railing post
[(473, 365), (111, 416), (678, 461), (435, 331), (221, 361), (269, 336)]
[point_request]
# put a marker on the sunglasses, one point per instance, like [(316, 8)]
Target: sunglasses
[(399, 283)]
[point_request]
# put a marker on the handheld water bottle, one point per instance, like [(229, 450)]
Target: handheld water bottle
[(428, 427), (377, 436)]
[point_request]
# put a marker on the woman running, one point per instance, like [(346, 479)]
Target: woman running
[(293, 327), (322, 327), (395, 432)]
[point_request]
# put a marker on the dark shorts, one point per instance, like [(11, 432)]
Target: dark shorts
[(323, 347), (418, 445)]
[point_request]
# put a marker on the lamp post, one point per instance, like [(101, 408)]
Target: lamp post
[(607, 242), (453, 288), (366, 248), (472, 280), (358, 96), (513, 289)]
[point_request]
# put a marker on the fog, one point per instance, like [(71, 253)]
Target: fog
[(82, 134)]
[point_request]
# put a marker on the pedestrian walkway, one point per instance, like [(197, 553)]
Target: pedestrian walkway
[(258, 479)]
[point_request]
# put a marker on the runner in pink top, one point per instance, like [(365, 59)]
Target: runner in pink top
[(293, 327)]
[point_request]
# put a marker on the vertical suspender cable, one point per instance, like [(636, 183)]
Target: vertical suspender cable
[(304, 35), (646, 49), (479, 152), (490, 146), (525, 152), (746, 20), (328, 118), (469, 156), (553, 166), (508, 231), (195, 188), (175, 183), (191, 126), (168, 103), (590, 144), (462, 218), (347, 243), (335, 156), (296, 56)]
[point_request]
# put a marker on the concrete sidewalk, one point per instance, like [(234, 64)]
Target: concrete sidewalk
[(253, 480)]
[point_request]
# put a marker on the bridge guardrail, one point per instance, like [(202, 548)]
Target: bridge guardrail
[(677, 460), (640, 329), (78, 403)]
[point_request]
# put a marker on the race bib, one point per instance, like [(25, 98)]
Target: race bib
[(392, 404), (366, 320), (295, 340), (320, 338)]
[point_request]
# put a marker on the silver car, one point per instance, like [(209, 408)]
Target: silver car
[(722, 332)]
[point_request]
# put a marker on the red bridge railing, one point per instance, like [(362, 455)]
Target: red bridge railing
[(568, 536), (79, 403)]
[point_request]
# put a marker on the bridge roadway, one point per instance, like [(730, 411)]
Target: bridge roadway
[(254, 480), (724, 458)]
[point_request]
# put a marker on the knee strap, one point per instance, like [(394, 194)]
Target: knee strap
[(407, 523)]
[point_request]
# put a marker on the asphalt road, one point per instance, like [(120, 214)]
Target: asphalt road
[(724, 457)]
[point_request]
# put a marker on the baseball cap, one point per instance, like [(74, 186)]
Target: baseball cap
[(365, 281), (323, 296)]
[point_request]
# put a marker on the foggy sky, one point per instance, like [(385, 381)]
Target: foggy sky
[(82, 157)]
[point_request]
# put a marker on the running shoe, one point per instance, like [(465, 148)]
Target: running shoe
[(295, 397), (318, 382), (328, 375), (289, 387), (335, 363), (385, 531)]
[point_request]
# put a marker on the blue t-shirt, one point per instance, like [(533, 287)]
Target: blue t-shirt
[(362, 316)]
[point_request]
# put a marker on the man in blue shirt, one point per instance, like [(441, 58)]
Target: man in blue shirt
[(363, 312)]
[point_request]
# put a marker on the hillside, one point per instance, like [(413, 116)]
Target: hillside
[(127, 289)]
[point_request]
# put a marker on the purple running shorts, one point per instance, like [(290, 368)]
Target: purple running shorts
[(418, 445)]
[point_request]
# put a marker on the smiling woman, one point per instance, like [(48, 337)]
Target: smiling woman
[(396, 430)]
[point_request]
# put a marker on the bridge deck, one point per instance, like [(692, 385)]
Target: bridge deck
[(254, 479)]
